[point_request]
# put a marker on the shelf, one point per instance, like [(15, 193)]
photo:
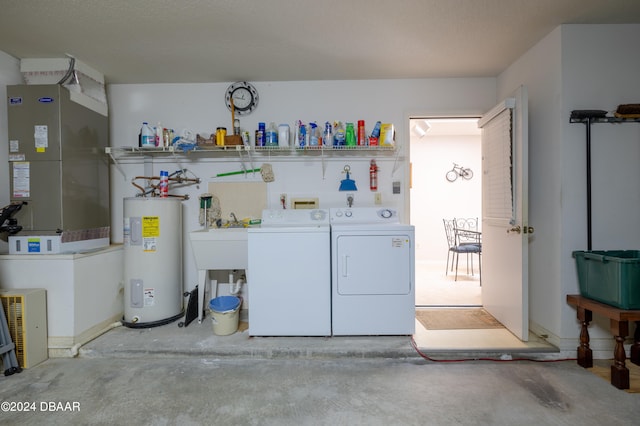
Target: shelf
[(588, 121), (604, 120), (134, 150), (245, 153)]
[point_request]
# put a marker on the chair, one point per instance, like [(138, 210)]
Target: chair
[(463, 237)]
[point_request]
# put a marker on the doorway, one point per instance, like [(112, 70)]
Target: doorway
[(437, 145)]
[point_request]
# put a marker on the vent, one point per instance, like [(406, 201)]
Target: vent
[(12, 306), (26, 313)]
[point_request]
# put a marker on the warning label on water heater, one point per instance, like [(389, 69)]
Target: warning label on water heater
[(150, 233), (149, 296)]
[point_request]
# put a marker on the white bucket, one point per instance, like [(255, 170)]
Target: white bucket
[(225, 320)]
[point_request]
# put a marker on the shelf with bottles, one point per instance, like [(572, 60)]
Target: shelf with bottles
[(221, 149)]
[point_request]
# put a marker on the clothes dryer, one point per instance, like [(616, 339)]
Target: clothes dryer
[(373, 272)]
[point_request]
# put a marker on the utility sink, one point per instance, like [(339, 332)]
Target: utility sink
[(220, 248)]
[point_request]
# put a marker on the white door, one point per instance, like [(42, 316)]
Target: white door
[(505, 227)]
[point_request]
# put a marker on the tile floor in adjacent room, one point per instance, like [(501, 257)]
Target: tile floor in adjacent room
[(437, 287)]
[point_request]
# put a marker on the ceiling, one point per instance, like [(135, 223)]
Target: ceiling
[(197, 41)]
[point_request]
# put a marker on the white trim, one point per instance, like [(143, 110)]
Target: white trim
[(508, 103)]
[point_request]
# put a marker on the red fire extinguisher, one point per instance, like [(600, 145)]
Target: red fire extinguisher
[(373, 176)]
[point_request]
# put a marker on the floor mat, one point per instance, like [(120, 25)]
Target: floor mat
[(456, 319), (602, 368)]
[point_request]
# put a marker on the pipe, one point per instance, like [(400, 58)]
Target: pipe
[(75, 349), (237, 287)]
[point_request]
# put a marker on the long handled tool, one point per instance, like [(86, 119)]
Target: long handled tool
[(7, 347), (266, 171)]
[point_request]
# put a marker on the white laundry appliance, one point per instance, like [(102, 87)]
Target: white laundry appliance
[(373, 272), (289, 274)]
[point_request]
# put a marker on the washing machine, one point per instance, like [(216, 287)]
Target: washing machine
[(289, 274), (373, 272)]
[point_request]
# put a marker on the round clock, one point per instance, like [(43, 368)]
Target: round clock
[(244, 95)]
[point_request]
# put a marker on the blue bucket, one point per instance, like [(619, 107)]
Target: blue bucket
[(224, 303)]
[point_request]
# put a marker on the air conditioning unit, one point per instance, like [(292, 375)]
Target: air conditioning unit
[(26, 312)]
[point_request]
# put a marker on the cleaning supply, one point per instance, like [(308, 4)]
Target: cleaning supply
[(147, 136), (327, 138), (301, 140), (283, 135), (350, 135), (260, 133), (375, 134), (313, 134), (347, 184), (339, 136), (362, 138), (164, 184), (159, 137), (271, 136)]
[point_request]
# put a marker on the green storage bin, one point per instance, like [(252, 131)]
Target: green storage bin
[(611, 276)]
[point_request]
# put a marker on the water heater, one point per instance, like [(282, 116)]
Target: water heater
[(152, 261)]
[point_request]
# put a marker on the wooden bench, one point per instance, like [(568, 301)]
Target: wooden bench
[(619, 326)]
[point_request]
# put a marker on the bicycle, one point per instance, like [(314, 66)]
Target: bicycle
[(458, 170)]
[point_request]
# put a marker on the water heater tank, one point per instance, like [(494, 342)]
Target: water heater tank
[(152, 261)]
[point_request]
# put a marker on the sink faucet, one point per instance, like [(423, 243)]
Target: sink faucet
[(350, 201), (235, 219)]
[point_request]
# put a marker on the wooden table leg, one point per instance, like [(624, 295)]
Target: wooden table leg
[(619, 371), (585, 355), (635, 348)]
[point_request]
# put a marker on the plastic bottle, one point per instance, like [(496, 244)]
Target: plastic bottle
[(159, 137), (327, 138), (339, 136), (318, 134), (313, 134), (283, 135), (260, 134), (271, 136), (164, 184), (147, 136), (302, 135), (350, 135)]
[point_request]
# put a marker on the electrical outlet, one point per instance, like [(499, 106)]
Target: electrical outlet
[(377, 197)]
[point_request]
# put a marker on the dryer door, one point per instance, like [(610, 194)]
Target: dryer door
[(373, 264)]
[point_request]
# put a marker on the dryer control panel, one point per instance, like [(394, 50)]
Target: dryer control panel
[(363, 215)]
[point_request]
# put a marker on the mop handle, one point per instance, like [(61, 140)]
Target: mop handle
[(238, 172)]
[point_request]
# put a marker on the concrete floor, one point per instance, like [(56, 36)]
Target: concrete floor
[(188, 376)]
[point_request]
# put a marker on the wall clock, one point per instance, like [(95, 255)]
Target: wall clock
[(245, 97)]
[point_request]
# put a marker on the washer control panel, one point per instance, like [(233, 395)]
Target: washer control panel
[(292, 217)]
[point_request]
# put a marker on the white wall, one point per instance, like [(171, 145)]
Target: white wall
[(200, 108), (9, 74), (576, 67), (433, 198)]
